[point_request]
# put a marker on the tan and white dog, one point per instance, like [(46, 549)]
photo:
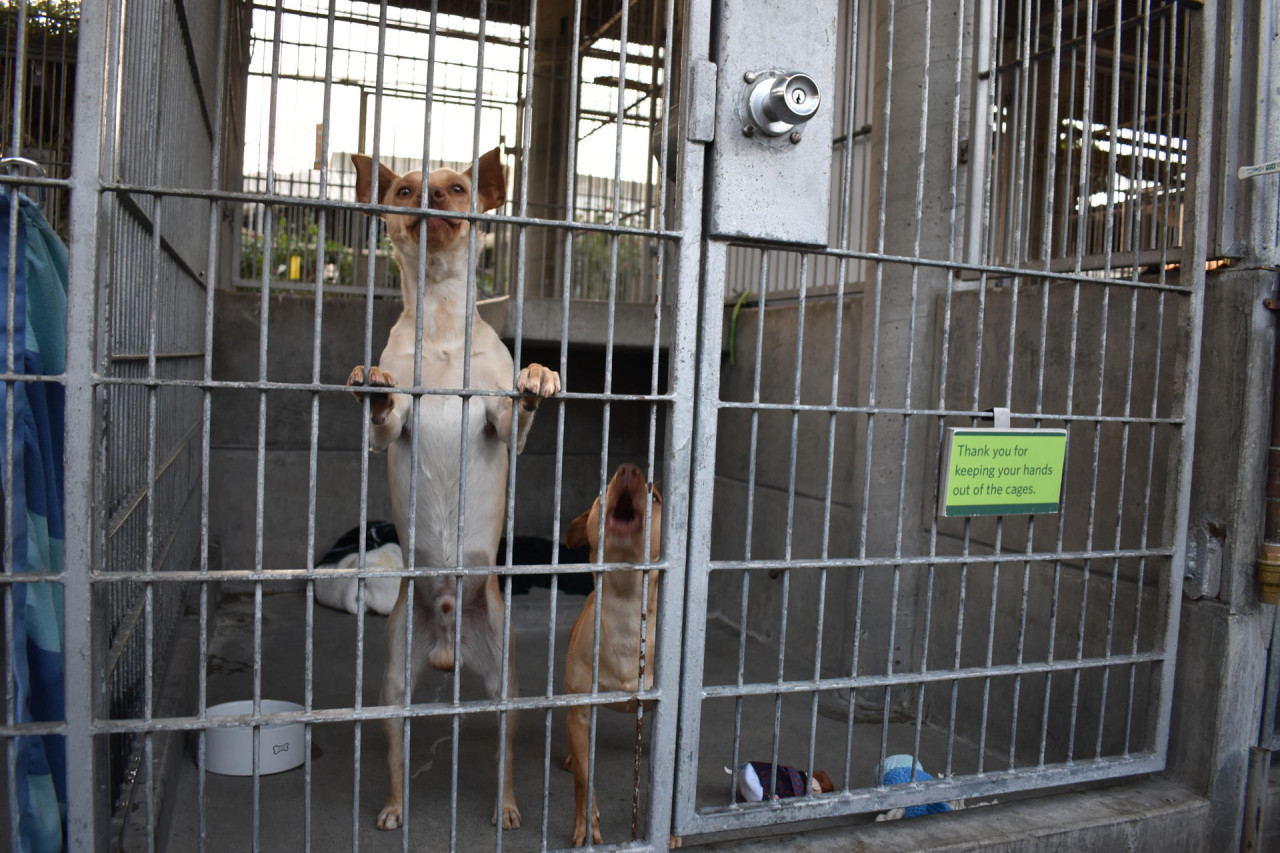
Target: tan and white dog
[(619, 596), (438, 435)]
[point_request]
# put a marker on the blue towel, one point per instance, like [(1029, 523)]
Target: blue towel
[(39, 344), (896, 770)]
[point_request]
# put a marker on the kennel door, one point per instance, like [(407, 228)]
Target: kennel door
[(834, 620)]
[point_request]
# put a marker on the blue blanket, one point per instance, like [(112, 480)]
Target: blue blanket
[(39, 345)]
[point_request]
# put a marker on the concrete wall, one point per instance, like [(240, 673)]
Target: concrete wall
[(770, 535), (234, 453), (234, 430), (1223, 637)]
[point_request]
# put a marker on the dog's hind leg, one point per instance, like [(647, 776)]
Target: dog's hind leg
[(510, 811), (485, 644), (394, 693)]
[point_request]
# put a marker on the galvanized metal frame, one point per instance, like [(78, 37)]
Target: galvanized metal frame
[(86, 821)]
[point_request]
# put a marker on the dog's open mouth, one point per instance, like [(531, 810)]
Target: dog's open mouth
[(625, 517)]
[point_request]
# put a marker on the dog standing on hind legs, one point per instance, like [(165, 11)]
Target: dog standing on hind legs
[(437, 599), (619, 595)]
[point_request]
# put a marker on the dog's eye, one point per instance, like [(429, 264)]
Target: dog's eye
[(403, 192), (457, 188)]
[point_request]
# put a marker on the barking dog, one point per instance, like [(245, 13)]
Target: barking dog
[(437, 434), (625, 502)]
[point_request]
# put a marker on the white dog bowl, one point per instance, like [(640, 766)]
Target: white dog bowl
[(229, 751)]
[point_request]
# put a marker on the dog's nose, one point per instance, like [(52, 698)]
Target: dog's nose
[(628, 474), (437, 195)]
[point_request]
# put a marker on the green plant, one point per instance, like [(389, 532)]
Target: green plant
[(297, 239), (733, 324)]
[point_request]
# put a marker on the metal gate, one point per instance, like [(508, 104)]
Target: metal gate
[(856, 228), (833, 615), (155, 190)]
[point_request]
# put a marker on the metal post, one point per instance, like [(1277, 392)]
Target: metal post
[(1203, 29), (86, 800)]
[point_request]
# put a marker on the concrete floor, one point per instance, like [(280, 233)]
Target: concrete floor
[(338, 815)]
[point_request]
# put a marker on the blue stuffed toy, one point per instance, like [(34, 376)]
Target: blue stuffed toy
[(896, 770)]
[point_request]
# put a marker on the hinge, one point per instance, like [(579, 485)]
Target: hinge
[(700, 109)]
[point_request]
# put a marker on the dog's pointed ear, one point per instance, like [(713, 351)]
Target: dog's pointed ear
[(576, 535), (491, 185), (364, 178)]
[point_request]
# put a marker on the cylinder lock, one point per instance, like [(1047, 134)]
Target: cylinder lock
[(779, 101)]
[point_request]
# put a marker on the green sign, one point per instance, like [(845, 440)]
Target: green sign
[(1002, 471)]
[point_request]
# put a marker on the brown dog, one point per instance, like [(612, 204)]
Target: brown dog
[(625, 503), (438, 437)]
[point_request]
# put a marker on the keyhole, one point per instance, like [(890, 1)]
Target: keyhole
[(798, 96)]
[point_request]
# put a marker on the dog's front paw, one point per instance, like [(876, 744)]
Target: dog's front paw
[(580, 833), (379, 404), (538, 382), (377, 376), (580, 828), (389, 817), (510, 816)]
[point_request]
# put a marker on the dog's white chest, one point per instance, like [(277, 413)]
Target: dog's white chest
[(440, 426), (440, 430), (447, 440)]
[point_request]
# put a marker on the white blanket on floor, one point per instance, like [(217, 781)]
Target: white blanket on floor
[(379, 593)]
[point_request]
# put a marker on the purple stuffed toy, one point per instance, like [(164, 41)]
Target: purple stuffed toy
[(754, 785)]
